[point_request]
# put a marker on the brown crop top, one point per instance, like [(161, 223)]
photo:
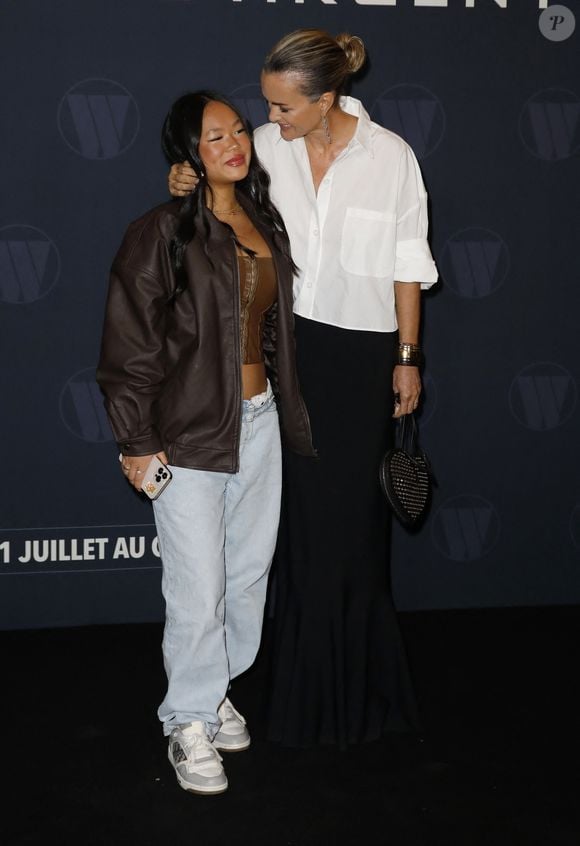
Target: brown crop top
[(258, 288)]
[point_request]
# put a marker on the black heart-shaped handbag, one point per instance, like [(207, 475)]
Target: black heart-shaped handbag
[(405, 475)]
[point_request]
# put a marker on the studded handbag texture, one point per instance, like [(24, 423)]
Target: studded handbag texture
[(405, 475)]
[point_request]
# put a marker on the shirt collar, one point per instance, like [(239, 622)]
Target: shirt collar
[(363, 134)]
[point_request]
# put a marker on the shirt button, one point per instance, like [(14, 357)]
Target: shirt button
[(315, 231), (309, 284)]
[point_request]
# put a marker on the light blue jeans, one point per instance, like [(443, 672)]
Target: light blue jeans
[(217, 533)]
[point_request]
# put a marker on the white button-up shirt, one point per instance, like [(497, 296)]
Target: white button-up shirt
[(364, 229)]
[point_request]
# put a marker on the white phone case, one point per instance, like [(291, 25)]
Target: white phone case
[(156, 478)]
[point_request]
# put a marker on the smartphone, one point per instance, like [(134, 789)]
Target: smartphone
[(156, 478)]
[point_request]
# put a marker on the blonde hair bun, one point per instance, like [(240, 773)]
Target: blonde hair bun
[(355, 51), (321, 62)]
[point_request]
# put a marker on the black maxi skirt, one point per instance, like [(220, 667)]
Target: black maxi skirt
[(339, 672)]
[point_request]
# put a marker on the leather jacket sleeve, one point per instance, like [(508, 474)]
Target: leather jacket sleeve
[(269, 348), (131, 368)]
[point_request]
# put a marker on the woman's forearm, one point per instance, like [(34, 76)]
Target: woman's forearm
[(408, 310)]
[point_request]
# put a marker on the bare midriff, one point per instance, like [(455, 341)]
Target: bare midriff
[(253, 379)]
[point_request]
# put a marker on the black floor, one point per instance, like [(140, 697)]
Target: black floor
[(496, 765)]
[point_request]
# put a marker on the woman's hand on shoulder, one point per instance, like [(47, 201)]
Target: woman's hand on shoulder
[(134, 467), (182, 180)]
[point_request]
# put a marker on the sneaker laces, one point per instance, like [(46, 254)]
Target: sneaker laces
[(199, 750)]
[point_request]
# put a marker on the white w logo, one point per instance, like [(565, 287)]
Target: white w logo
[(412, 119), (475, 264), (98, 118), (543, 396), (543, 399), (29, 264), (22, 266), (466, 527), (466, 531), (554, 128), (414, 113), (549, 124), (99, 121), (82, 410)]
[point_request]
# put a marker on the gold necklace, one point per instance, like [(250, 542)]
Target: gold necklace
[(237, 209)]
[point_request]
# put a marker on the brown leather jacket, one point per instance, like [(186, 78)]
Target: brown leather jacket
[(171, 374)]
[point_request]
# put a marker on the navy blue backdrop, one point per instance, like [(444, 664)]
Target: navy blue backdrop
[(488, 94)]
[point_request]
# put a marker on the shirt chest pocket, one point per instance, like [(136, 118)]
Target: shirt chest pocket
[(367, 246)]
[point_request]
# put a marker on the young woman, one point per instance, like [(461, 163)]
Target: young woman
[(197, 353), (352, 198)]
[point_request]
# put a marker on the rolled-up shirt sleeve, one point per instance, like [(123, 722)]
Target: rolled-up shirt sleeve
[(413, 259)]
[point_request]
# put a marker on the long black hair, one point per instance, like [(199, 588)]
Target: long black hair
[(180, 141)]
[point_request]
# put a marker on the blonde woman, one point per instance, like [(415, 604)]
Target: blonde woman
[(355, 207)]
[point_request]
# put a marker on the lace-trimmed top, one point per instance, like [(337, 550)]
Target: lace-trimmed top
[(258, 288)]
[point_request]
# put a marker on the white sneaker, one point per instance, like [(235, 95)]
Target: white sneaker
[(197, 763), (233, 735)]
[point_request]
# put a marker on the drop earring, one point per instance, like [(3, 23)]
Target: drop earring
[(326, 128)]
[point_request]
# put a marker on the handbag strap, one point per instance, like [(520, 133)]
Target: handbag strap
[(407, 434), (407, 439)]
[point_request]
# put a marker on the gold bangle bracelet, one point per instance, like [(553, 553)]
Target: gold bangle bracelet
[(410, 354)]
